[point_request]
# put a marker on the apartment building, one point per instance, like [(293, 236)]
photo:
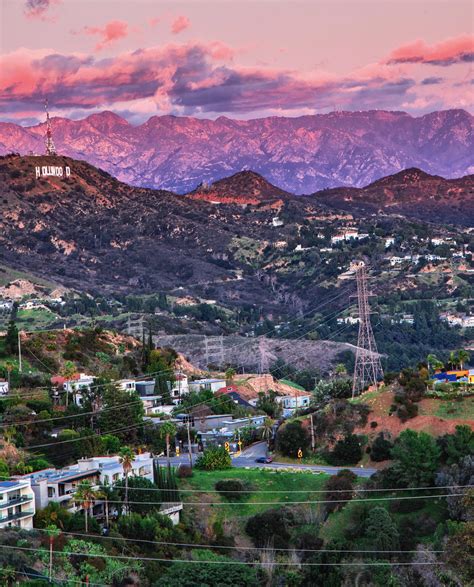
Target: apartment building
[(17, 504)]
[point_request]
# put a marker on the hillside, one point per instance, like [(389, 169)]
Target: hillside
[(301, 155), (411, 193), (245, 187)]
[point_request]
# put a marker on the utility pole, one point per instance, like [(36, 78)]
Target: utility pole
[(51, 539), (190, 452), (312, 433), (20, 369), (368, 369)]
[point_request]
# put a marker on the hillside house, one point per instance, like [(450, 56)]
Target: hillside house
[(206, 384), (59, 485), (4, 387), (296, 401), (17, 504), (76, 385)]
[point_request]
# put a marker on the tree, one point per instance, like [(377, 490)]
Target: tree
[(340, 370), (143, 495), (416, 456), (167, 430), (267, 430), (381, 448), (111, 443), (347, 451), (434, 363), (221, 574), (122, 414), (458, 445), (52, 515), (463, 357), (381, 530), (214, 458), (271, 526), (11, 339), (126, 458), (229, 375), (340, 489), (86, 495), (267, 403), (291, 438)]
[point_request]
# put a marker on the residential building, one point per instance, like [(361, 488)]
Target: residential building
[(127, 385), (206, 384), (17, 504), (347, 235), (60, 485), (296, 401), (4, 387), (76, 385), (179, 388)]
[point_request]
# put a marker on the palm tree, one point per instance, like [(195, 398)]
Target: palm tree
[(85, 495), (340, 370), (229, 375), (126, 458), (167, 430), (453, 360), (463, 357), (267, 432), (434, 363)]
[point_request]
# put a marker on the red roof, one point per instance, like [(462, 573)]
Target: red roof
[(59, 379)]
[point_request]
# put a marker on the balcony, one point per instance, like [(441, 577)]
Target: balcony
[(17, 516), (16, 501)]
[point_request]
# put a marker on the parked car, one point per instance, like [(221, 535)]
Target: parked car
[(265, 460)]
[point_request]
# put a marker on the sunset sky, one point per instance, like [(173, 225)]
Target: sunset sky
[(238, 58)]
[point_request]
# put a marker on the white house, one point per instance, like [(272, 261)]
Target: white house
[(296, 401), (4, 388), (127, 385), (76, 384), (17, 504), (60, 485), (206, 384), (179, 388)]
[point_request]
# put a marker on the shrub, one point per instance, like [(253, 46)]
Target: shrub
[(213, 459), (340, 488), (233, 489), (184, 471), (381, 448), (292, 437), (373, 424), (271, 525), (346, 451)]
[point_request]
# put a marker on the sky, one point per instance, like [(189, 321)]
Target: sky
[(236, 58)]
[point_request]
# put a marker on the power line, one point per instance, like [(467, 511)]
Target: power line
[(280, 503), (229, 562), (214, 546)]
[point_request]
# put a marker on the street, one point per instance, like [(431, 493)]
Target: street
[(259, 449)]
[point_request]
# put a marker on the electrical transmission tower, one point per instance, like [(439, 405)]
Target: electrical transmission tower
[(368, 369), (48, 140), (214, 349)]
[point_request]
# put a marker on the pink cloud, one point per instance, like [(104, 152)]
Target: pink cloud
[(180, 24), (154, 21), (113, 31), (458, 50)]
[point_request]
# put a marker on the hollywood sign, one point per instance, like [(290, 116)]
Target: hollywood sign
[(52, 171)]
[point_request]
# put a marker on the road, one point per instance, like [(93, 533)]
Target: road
[(259, 449)]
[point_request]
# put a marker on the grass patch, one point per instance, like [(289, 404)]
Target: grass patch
[(278, 484), (452, 409)]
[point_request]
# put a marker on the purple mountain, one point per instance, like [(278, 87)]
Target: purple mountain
[(300, 155)]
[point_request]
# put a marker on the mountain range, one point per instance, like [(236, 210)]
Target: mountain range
[(300, 155), (93, 233)]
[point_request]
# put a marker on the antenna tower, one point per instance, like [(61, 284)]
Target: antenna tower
[(48, 140), (368, 369)]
